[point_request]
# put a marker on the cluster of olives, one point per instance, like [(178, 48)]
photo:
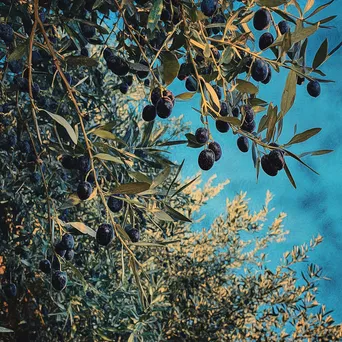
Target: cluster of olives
[(162, 105), (273, 162)]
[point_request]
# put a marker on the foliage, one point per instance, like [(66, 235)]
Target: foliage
[(63, 123)]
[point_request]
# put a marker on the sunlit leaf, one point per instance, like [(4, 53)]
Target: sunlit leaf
[(83, 228), (246, 87), (300, 137), (154, 15)]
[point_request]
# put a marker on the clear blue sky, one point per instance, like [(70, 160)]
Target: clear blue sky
[(314, 207)]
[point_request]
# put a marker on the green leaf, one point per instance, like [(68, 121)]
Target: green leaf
[(139, 67), (176, 214), (5, 330), (82, 228), (148, 244), (185, 96), (227, 55), (163, 216), (170, 67), (294, 156), (246, 87), (154, 15), (300, 137), (315, 153), (107, 135), (172, 143), (213, 94), (230, 119), (321, 55), (184, 187), (192, 142), (320, 8), (131, 188), (161, 177), (335, 49), (289, 94), (271, 121), (65, 124), (81, 60), (303, 33), (271, 3), (140, 177), (19, 52), (289, 176), (105, 156), (100, 28), (175, 177)]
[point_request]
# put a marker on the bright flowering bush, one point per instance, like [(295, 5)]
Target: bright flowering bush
[(94, 222)]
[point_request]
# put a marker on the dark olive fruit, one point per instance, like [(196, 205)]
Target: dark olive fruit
[(170, 95), (115, 204), (22, 84), (84, 190), (133, 233), (218, 91), (267, 166), (69, 162), (206, 159), (63, 4), (129, 80), (56, 265), (124, 88), (6, 34), (269, 75), (45, 266), (36, 58), (143, 74), (156, 95), (262, 19), (35, 177), (218, 19), (243, 144), (164, 107), (209, 7), (107, 54), (224, 111), (300, 80), (216, 148), (147, 82), (276, 158), (87, 30), (222, 126), (202, 135), (83, 164), (68, 241), (165, 15), (117, 65), (104, 234), (199, 59), (283, 27), (59, 280), (35, 90), (11, 140), (265, 40), (25, 147), (248, 126), (314, 88), (149, 113), (69, 255), (249, 113), (236, 112), (10, 290), (15, 66), (191, 84), (84, 52), (60, 249), (259, 70), (184, 71)]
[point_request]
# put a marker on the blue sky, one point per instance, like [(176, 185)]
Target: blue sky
[(314, 207)]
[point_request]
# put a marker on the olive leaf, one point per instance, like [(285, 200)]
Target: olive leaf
[(107, 135), (289, 94), (5, 330), (19, 52), (176, 214), (320, 8), (83, 228), (289, 176), (246, 87), (309, 5), (321, 55), (154, 15), (81, 60), (315, 153), (65, 124), (161, 177), (272, 3), (139, 67), (140, 177), (185, 96), (213, 94), (271, 121), (170, 67), (131, 188), (105, 156), (300, 137)]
